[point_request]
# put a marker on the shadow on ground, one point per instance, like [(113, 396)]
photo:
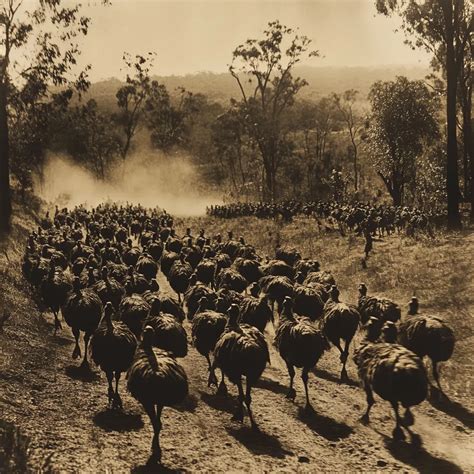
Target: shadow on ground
[(116, 420), (225, 404), (259, 442), (416, 456), (452, 408), (324, 374), (84, 374), (324, 426)]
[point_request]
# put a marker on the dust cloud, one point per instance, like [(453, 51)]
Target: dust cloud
[(149, 178)]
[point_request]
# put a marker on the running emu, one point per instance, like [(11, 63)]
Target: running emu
[(156, 380), (169, 335), (427, 336), (82, 311), (394, 373), (113, 346), (300, 344), (339, 322), (241, 351), (207, 328)]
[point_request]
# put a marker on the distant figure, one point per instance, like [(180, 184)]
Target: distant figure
[(368, 242), (368, 246)]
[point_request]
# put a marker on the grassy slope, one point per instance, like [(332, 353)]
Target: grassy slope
[(439, 271), (24, 344)]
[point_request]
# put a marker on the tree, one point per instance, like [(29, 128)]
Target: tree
[(230, 142), (50, 55), (403, 116), (266, 66), (168, 119), (91, 138), (439, 25), (315, 120), (32, 120), (345, 105), (131, 97)]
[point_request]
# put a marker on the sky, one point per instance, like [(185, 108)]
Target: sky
[(194, 35)]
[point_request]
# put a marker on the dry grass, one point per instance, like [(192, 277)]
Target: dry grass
[(24, 332), (439, 271)]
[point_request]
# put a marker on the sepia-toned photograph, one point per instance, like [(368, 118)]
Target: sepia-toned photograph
[(236, 236)]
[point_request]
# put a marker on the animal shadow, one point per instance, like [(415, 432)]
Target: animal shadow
[(158, 469), (259, 442), (272, 385), (84, 374), (441, 402), (324, 374), (62, 341), (115, 420), (189, 404), (326, 427), (221, 403), (416, 456)]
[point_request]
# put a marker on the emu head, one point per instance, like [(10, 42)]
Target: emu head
[(413, 306), (233, 313), (362, 289)]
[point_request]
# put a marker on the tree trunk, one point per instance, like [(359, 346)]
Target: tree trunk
[(469, 160), (452, 179), (5, 196), (397, 194)]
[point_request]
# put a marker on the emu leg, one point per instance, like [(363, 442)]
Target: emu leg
[(370, 401), (212, 380), (304, 376), (436, 376), (155, 418), (117, 400), (344, 356), (85, 362), (291, 391), (222, 390), (248, 401), (76, 353), (110, 377), (398, 434), (408, 418), (239, 413), (57, 323)]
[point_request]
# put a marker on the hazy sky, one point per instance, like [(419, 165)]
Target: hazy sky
[(193, 35)]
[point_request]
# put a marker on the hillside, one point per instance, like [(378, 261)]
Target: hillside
[(221, 87)]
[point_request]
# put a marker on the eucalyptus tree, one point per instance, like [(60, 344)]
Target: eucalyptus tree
[(39, 46), (263, 71)]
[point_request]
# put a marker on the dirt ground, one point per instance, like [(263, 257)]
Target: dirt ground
[(54, 418)]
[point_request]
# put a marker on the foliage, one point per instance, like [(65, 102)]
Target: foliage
[(91, 138), (445, 28), (132, 97), (430, 178), (167, 119), (267, 65), (32, 123), (43, 36), (354, 125), (403, 115), (314, 124)]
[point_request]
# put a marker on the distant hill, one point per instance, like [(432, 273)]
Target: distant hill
[(221, 87)]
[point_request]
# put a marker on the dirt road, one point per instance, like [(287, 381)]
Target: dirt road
[(65, 419)]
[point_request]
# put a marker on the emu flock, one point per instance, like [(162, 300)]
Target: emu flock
[(99, 267), (357, 216)]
